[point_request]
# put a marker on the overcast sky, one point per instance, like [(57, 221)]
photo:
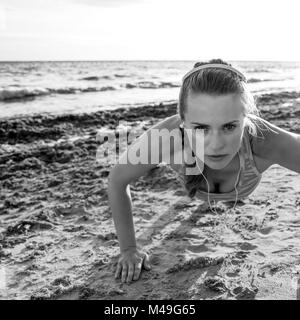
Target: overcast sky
[(149, 29)]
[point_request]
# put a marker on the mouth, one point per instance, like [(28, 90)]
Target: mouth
[(217, 157)]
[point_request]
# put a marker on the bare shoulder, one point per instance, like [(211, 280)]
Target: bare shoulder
[(269, 138), (262, 142), (169, 123), (276, 145), (168, 129), (144, 154)]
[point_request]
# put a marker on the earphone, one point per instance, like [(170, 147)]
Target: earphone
[(235, 185), (236, 195), (235, 188)]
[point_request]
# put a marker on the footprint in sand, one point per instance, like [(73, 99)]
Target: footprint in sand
[(107, 236), (245, 293), (271, 214), (195, 263), (25, 226), (105, 240), (247, 246), (72, 210), (143, 205), (232, 274), (198, 248), (155, 259), (266, 230), (217, 284), (284, 189)]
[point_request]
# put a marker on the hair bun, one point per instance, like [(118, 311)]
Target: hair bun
[(220, 61)]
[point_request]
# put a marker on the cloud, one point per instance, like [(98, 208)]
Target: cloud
[(35, 5), (56, 5), (108, 3), (2, 18)]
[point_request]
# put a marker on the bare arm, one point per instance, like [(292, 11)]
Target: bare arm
[(119, 196), (120, 201), (278, 146)]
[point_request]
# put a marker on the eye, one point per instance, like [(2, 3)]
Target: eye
[(201, 128), (229, 127)]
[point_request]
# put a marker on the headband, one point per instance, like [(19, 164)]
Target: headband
[(215, 65)]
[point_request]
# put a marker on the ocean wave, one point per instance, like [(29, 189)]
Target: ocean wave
[(117, 75), (95, 78), (150, 85), (258, 70), (253, 80), (73, 90), (20, 93), (8, 94)]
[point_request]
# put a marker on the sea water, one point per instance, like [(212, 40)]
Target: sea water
[(86, 86)]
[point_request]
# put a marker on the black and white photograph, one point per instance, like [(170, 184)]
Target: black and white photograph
[(149, 150)]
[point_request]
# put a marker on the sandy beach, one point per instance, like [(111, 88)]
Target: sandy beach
[(58, 241)]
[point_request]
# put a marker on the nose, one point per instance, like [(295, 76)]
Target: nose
[(215, 143)]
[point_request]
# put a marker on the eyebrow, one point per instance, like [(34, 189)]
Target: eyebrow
[(203, 124)]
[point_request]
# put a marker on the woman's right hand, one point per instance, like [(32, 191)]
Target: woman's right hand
[(130, 264)]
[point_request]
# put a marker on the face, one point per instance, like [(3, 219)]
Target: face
[(222, 120)]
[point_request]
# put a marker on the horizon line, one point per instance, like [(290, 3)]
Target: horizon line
[(142, 60)]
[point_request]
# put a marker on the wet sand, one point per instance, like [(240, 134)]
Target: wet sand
[(57, 238)]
